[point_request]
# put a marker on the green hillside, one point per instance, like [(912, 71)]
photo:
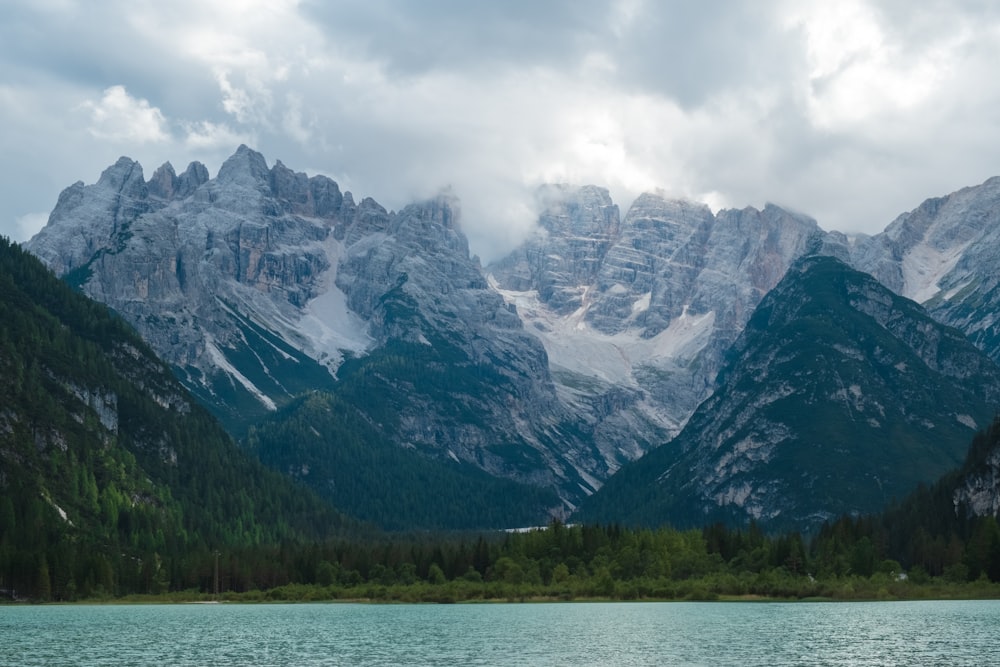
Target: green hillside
[(112, 478), (337, 444)]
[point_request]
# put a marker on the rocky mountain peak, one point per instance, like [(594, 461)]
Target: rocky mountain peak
[(317, 196), (762, 244), (125, 175), (166, 184), (432, 224), (655, 206), (945, 254), (246, 168), (576, 227), (193, 178), (191, 262), (585, 211), (650, 303), (87, 218), (161, 184)]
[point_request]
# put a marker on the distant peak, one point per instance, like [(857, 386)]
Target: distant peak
[(165, 168), (554, 194), (126, 173), (120, 173), (163, 181), (197, 172), (245, 167), (443, 209), (166, 184), (658, 202)]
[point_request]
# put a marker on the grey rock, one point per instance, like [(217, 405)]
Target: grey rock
[(651, 303), (979, 490), (257, 284), (945, 254), (202, 267), (166, 184)]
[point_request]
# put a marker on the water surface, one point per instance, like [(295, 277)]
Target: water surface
[(877, 633)]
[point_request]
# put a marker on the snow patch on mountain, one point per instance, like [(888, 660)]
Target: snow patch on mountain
[(967, 420), (222, 363), (573, 345), (924, 266), (327, 322)]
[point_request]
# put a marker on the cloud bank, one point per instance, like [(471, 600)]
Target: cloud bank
[(851, 112)]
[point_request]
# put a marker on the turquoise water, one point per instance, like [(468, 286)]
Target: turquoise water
[(878, 633)]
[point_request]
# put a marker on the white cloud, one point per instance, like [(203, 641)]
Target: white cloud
[(28, 225), (296, 121), (851, 112), (219, 136), (120, 117), (249, 104), (859, 75)]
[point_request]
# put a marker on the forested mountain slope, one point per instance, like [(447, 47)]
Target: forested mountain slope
[(948, 528), (323, 440), (111, 476)]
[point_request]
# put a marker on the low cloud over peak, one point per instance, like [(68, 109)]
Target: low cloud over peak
[(851, 112)]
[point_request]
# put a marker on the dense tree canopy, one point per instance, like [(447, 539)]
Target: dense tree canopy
[(112, 477)]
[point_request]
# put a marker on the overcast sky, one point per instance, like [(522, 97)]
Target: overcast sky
[(850, 111)]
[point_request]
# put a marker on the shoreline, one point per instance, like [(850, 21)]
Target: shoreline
[(256, 598)]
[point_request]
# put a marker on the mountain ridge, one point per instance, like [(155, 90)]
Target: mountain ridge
[(588, 346), (258, 285), (837, 397)]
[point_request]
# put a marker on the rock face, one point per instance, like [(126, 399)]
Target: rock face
[(257, 285), (838, 396), (215, 274), (945, 254), (587, 347), (974, 489), (979, 490), (645, 308)]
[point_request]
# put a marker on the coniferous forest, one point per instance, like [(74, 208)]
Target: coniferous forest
[(111, 476), (114, 482)]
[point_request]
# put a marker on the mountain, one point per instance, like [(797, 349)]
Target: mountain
[(644, 308), (111, 474), (945, 254), (196, 266), (838, 396), (342, 341), (263, 284)]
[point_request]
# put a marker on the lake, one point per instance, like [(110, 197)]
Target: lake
[(679, 633)]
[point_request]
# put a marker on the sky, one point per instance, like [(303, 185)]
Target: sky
[(851, 111)]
